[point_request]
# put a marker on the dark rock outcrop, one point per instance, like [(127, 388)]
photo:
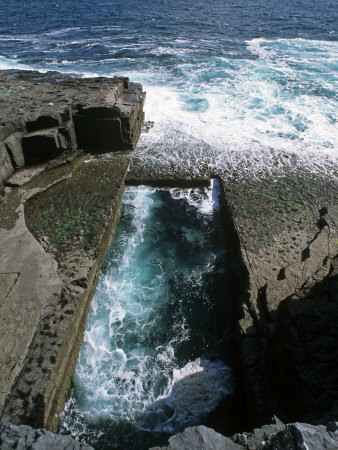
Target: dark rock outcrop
[(303, 436), (46, 115), (287, 242), (302, 354)]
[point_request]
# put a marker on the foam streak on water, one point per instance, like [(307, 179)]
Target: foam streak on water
[(149, 363)]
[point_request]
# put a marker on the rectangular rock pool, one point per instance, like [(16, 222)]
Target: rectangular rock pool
[(155, 353)]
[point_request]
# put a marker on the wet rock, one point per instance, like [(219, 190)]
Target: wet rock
[(24, 437)]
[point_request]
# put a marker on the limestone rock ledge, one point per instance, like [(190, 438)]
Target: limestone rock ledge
[(48, 114), (72, 211), (58, 209)]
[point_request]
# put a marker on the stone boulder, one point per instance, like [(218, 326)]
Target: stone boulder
[(294, 436), (199, 438), (24, 437)]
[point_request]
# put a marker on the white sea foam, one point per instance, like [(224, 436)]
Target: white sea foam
[(198, 387), (277, 111), (200, 200), (11, 63)]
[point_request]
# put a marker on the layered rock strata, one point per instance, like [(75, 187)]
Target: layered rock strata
[(287, 229), (45, 115)]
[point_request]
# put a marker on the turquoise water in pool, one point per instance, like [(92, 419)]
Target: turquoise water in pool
[(152, 358)]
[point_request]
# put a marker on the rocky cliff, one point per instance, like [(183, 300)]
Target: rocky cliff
[(55, 190)]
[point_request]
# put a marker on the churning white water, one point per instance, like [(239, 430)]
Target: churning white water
[(150, 360)]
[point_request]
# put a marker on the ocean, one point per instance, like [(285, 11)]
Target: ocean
[(244, 87)]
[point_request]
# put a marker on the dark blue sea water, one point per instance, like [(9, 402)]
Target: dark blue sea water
[(243, 87)]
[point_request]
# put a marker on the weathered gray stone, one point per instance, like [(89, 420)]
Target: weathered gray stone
[(90, 192), (6, 168), (10, 126), (46, 139), (14, 148), (269, 437), (64, 139), (251, 441), (30, 289), (25, 175), (199, 438), (302, 436), (108, 112), (24, 437)]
